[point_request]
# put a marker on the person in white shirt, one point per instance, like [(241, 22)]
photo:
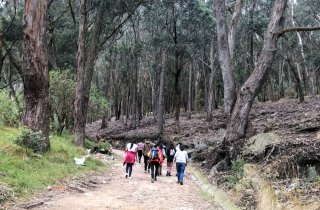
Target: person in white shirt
[(130, 157), (181, 159)]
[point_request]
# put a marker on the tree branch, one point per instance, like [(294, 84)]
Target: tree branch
[(115, 30), (72, 13), (13, 60), (294, 29), (5, 86)]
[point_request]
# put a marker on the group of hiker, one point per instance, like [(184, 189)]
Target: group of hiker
[(154, 156)]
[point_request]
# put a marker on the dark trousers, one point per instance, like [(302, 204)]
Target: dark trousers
[(154, 168), (146, 163), (129, 168), (139, 155)]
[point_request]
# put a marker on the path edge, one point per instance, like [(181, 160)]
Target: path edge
[(218, 195)]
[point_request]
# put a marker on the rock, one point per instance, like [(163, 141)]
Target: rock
[(318, 135), (190, 152), (203, 163), (257, 145), (250, 192), (200, 147), (175, 138)]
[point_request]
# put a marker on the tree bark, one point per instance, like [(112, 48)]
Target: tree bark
[(177, 72), (36, 111), (236, 128), (80, 100), (292, 63), (210, 85), (189, 92), (233, 28), (161, 92), (224, 57), (196, 89)]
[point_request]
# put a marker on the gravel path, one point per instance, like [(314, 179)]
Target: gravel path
[(136, 193)]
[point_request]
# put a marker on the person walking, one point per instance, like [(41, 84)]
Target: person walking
[(171, 151), (130, 158), (145, 152), (163, 154), (155, 156), (140, 149), (181, 159)]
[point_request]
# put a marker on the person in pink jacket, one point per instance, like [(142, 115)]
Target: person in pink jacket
[(130, 157)]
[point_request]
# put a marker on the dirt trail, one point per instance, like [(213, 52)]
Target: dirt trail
[(136, 193)]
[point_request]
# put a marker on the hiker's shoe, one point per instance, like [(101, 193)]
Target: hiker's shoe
[(126, 175), (152, 180), (155, 179), (169, 174), (181, 183)]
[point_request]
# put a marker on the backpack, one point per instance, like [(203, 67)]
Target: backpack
[(155, 154), (172, 152)]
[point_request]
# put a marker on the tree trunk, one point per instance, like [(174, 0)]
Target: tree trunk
[(36, 113), (7, 74), (189, 92), (196, 90), (237, 126), (305, 70), (292, 63), (79, 104), (210, 85), (161, 92), (234, 22), (224, 57), (86, 58), (1, 56)]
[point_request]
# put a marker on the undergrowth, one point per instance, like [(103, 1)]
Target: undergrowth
[(26, 172), (237, 172)]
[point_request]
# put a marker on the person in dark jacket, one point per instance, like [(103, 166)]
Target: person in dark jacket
[(171, 151), (155, 157)]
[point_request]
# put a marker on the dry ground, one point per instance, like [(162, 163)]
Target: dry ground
[(135, 193)]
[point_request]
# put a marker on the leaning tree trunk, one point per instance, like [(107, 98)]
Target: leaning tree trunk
[(236, 128), (224, 57), (35, 70)]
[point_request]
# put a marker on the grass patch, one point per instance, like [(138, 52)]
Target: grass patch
[(25, 172)]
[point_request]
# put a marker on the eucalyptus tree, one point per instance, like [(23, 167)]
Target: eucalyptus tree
[(237, 126), (36, 113), (99, 21), (226, 45)]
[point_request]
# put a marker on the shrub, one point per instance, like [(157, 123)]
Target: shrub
[(9, 111), (5, 192), (102, 146), (237, 172), (31, 140)]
